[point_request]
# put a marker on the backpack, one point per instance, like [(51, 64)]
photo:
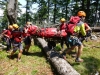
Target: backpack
[(71, 25), (16, 35)]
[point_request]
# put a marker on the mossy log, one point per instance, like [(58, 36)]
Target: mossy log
[(61, 65)]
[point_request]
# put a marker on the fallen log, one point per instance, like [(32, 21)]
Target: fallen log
[(62, 66), (95, 29)]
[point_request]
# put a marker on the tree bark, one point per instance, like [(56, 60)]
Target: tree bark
[(12, 11), (62, 66), (95, 29), (55, 10)]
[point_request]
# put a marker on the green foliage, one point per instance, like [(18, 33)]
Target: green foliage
[(36, 64), (2, 55), (52, 10), (34, 72), (22, 20)]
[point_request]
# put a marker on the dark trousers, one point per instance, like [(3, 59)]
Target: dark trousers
[(8, 44)]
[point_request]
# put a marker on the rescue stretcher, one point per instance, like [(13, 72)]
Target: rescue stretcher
[(51, 35), (47, 32)]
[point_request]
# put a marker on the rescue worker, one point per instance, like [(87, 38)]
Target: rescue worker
[(3, 37), (88, 30), (17, 41), (74, 41), (62, 27), (7, 35), (27, 37), (82, 15)]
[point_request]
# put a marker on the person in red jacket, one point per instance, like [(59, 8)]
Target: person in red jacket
[(62, 27), (63, 24), (7, 35), (17, 41), (3, 38), (27, 38)]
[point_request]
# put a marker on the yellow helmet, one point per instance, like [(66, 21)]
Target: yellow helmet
[(62, 20), (81, 13), (10, 27), (28, 23), (15, 26)]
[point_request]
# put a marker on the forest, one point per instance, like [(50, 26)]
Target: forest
[(50, 12)]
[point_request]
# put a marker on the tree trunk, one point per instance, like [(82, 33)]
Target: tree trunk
[(48, 10), (82, 4), (12, 11), (88, 10), (62, 66), (55, 11)]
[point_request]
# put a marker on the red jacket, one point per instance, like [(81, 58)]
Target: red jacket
[(62, 26), (7, 33), (26, 32)]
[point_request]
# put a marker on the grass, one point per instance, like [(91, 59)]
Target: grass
[(91, 56), (33, 64), (37, 64)]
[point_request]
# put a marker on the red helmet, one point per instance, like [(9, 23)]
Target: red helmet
[(81, 13)]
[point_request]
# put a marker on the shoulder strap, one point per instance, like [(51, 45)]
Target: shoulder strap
[(79, 23)]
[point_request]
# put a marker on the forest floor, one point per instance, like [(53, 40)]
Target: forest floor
[(36, 62)]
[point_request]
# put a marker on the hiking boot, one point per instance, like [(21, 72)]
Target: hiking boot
[(8, 51), (18, 59), (79, 60), (62, 49), (64, 57), (73, 55), (60, 52)]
